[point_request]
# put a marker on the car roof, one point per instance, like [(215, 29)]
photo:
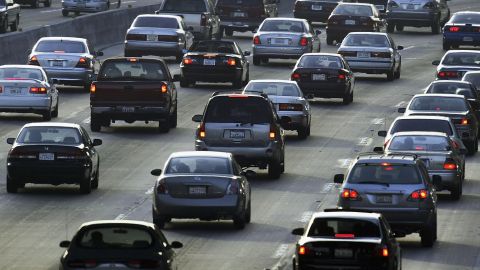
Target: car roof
[(472, 72), (200, 154), (396, 158), (423, 117), (466, 12), (143, 58), (369, 33), (322, 54), (64, 39), (236, 94), (462, 51), (450, 81), (22, 66), (160, 16), (273, 81), (118, 222), (52, 124), (355, 4), (439, 95), (285, 18), (420, 133), (346, 214)]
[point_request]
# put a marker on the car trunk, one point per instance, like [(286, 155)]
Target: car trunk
[(318, 75), (236, 134), (58, 60), (240, 10), (18, 87), (46, 153), (352, 21), (312, 5), (197, 186), (280, 39), (209, 59), (152, 34), (277, 100), (128, 93), (395, 196)]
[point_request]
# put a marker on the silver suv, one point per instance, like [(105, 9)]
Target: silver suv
[(245, 125), (397, 186)]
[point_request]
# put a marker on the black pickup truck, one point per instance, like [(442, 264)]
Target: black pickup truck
[(134, 89), (9, 15)]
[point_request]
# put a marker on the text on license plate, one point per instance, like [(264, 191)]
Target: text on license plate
[(56, 63), (128, 109), (282, 41), (319, 77), (15, 91), (343, 253), (350, 22), (363, 54), (46, 156), (238, 14), (237, 134), (197, 190), (209, 62), (468, 39), (152, 37), (317, 7), (383, 199)]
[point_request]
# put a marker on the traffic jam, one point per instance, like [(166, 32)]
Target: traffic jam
[(392, 187)]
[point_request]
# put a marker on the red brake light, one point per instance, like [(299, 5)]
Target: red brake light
[(454, 29), (33, 61), (164, 88), (303, 41), (455, 145), (132, 59), (384, 252), (420, 194), (187, 61), (83, 62), (256, 40), (82, 264), (302, 250), (272, 134), (448, 165), (162, 187), (237, 96), (464, 121), (385, 164), (231, 62), (201, 131), (344, 235), (38, 90), (443, 74), (295, 76), (93, 88), (350, 194), (342, 77)]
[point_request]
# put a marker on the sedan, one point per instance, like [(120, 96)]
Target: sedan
[(463, 29), (53, 153), (119, 244), (324, 75), (352, 17), (288, 99), (68, 60), (314, 10), (473, 77), (27, 89), (161, 35), (88, 6), (34, 3), (285, 38), (372, 53), (455, 63), (206, 185), (215, 61)]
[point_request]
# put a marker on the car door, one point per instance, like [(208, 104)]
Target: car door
[(397, 56), (91, 149), (244, 61), (315, 38)]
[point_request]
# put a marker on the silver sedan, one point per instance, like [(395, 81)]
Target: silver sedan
[(88, 6), (27, 89), (285, 38)]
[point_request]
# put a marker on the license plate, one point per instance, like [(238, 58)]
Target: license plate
[(56, 63), (350, 22), (468, 39), (410, 6), (209, 62), (152, 38), (317, 7), (46, 156), (380, 7), (239, 14), (383, 199), (319, 77), (237, 134), (128, 109), (343, 253), (197, 190), (363, 54), (282, 41), (15, 91)]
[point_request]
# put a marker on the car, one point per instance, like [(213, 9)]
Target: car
[(314, 10), (78, 6), (201, 184), (9, 16), (455, 63), (197, 14), (289, 102), (421, 13), (134, 89), (396, 185), (245, 125), (53, 153), (215, 61), (372, 53), (337, 239), (473, 77), (324, 75), (160, 35), (244, 15), (437, 151), (285, 38), (125, 244), (381, 5), (27, 89), (34, 3), (462, 30), (68, 60), (352, 17), (455, 107)]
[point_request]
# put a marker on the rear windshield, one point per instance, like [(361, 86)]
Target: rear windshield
[(469, 18), (50, 135), (384, 173), (422, 125), (419, 143), (60, 46), (366, 41), (474, 78), (320, 61), (115, 237), (462, 59), (213, 47), (249, 110), (185, 6), (128, 70), (331, 227), (255, 3), (273, 89), (282, 26), (452, 88), (431, 103), (354, 10), (158, 22), (20, 73), (208, 165)]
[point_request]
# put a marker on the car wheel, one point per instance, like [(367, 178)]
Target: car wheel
[(184, 83), (95, 124), (348, 99), (174, 119), (247, 78), (399, 27), (47, 3), (34, 4), (228, 32), (47, 116), (248, 215), (14, 26), (64, 13), (257, 60), (329, 40), (239, 220), (390, 27), (303, 132), (264, 60), (274, 169), (95, 179), (391, 74), (11, 185), (397, 73), (471, 147), (163, 126), (435, 27), (4, 27), (55, 111), (457, 191), (86, 185), (446, 46), (159, 220), (237, 83), (428, 234), (77, 13)]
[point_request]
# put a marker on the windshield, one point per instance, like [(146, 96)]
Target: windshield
[(336, 227), (213, 47), (282, 26), (466, 18), (273, 89), (20, 74), (433, 103), (59, 46), (379, 41), (185, 6), (452, 88), (474, 78), (132, 70), (462, 59), (419, 143), (384, 173), (50, 135), (320, 61), (252, 110), (422, 125), (196, 165), (157, 22), (115, 237), (355, 10)]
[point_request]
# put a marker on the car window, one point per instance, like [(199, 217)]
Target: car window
[(115, 237), (50, 135), (419, 143), (452, 88), (431, 103), (474, 78), (185, 6), (60, 46), (320, 61), (422, 125), (86, 137), (253, 110), (273, 89), (157, 22), (21, 74), (195, 165), (213, 47), (257, 3), (366, 41), (336, 227), (132, 70), (461, 59), (384, 173), (282, 26), (466, 18), (356, 10)]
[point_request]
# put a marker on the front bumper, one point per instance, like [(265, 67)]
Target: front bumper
[(324, 89), (158, 48), (127, 114), (211, 74), (48, 172), (411, 18), (279, 52), (71, 76)]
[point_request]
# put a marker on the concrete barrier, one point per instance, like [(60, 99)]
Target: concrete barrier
[(100, 29)]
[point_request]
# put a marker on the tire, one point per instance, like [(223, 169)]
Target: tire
[(159, 220), (471, 147), (95, 123), (435, 27), (164, 126), (239, 220), (329, 40), (348, 99), (274, 169), (14, 26), (248, 214), (398, 72), (4, 27), (55, 111), (86, 186), (34, 4), (428, 234), (47, 116), (264, 60), (11, 186), (257, 60), (64, 13), (391, 75), (77, 13), (47, 3), (303, 132), (184, 83), (247, 78), (95, 178), (446, 46), (390, 27), (399, 27), (237, 83), (174, 119), (228, 32), (456, 192)]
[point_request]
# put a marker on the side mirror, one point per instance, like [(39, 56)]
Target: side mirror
[(338, 178), (156, 172), (190, 28), (9, 4), (249, 173), (462, 151), (99, 53), (437, 181), (197, 118), (318, 32), (97, 142), (402, 110), (378, 149), (382, 133), (176, 244), (436, 62), (64, 244), (176, 78), (400, 48), (10, 140), (246, 53), (298, 231)]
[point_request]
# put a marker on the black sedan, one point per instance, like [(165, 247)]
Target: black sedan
[(456, 63), (53, 153), (119, 244), (215, 61), (324, 75)]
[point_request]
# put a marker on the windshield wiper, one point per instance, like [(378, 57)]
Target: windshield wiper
[(373, 182)]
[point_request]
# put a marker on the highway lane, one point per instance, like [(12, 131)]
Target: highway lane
[(33, 222)]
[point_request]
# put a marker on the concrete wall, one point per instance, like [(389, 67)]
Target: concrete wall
[(100, 29)]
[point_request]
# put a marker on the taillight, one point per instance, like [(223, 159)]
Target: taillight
[(16, 153), (1, 90), (162, 187), (302, 250), (454, 29), (420, 194), (203, 20), (201, 134), (384, 251), (429, 5), (38, 90), (140, 264), (164, 88), (345, 235), (82, 264), (33, 61), (295, 76), (464, 121), (348, 53), (83, 62), (272, 135), (449, 164), (447, 74), (455, 145), (303, 41), (350, 194), (256, 40), (290, 107), (232, 187), (136, 37), (187, 61), (93, 88), (231, 62), (381, 54)]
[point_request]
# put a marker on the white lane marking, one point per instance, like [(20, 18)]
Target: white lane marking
[(378, 121), (327, 187), (86, 121), (149, 191), (401, 104), (281, 251), (51, 10), (365, 141), (306, 216), (120, 217), (408, 48), (344, 162)]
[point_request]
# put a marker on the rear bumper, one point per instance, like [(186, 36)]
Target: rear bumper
[(73, 7), (211, 74), (297, 120), (367, 66), (313, 16), (324, 90), (340, 264), (472, 39), (25, 104), (450, 179), (279, 52), (239, 25), (340, 32), (138, 113), (48, 173), (411, 18), (158, 48), (72, 76)]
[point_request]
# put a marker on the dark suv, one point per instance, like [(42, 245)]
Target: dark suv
[(397, 186), (244, 15), (245, 125)]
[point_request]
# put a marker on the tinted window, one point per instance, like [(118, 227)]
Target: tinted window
[(422, 125), (52, 135), (115, 237), (127, 70), (213, 46), (20, 73), (329, 227), (431, 103), (366, 41), (210, 165), (461, 59), (61, 46), (474, 78), (238, 110), (273, 89), (282, 26), (384, 173), (355, 10), (469, 18), (258, 3), (452, 88), (159, 22), (185, 6), (320, 61), (419, 143)]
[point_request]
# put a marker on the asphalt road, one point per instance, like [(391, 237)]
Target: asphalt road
[(33, 222)]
